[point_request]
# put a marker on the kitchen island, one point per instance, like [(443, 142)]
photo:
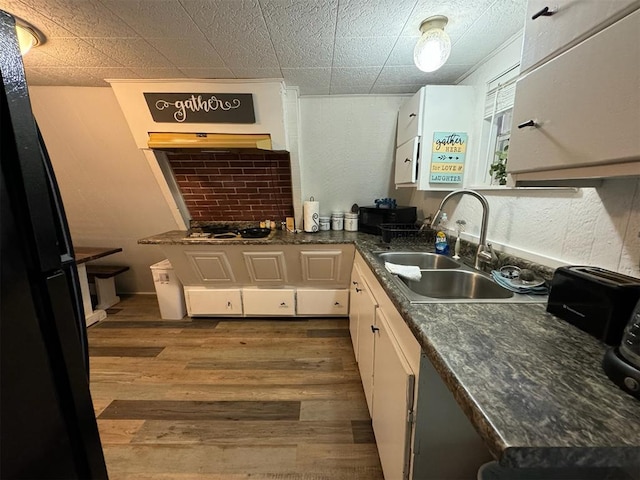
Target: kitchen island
[(530, 384)]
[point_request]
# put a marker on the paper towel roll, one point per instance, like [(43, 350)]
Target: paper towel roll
[(311, 212)]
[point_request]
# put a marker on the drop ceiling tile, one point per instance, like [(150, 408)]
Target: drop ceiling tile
[(237, 31), (396, 89), (312, 81), (130, 52), (366, 18), (111, 72), (461, 14), (448, 74), (362, 51), (402, 53), (36, 18), (358, 76), (157, 18), (193, 52), (307, 53), (85, 18), (204, 72), (300, 18), (348, 90), (158, 72), (257, 73), (76, 52), (65, 76)]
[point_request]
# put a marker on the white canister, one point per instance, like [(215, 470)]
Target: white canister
[(351, 222), (325, 223), (337, 220)]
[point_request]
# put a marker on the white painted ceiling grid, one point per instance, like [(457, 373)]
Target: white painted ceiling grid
[(322, 46)]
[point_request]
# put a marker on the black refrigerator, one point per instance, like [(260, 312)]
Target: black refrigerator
[(48, 428)]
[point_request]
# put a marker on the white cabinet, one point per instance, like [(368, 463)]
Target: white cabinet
[(266, 267), (366, 306), (354, 308), (269, 301), (410, 118), (203, 301), (446, 110), (406, 168), (570, 22), (316, 301), (582, 107), (393, 394)]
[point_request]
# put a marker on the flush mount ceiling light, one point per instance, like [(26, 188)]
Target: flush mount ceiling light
[(28, 36), (434, 46)]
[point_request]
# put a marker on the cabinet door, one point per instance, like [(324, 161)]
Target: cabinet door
[(366, 336), (202, 301), (355, 305), (406, 170), (269, 301), (266, 268), (410, 118), (321, 266), (315, 301), (393, 390), (572, 22), (585, 104)]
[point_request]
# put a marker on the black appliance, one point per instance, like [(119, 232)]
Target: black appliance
[(622, 364), (48, 428), (593, 299), (370, 218)]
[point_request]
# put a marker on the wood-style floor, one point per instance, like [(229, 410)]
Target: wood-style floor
[(228, 399)]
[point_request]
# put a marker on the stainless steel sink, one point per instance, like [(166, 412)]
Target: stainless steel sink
[(423, 260), (456, 284), (445, 280)]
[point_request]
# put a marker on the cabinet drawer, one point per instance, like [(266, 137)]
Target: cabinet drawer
[(268, 301), (322, 302), (406, 169), (585, 103), (572, 21), (212, 301), (410, 116)]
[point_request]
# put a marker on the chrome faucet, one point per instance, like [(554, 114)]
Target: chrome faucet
[(485, 251)]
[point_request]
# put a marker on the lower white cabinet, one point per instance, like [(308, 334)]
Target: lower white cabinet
[(366, 306), (393, 392), (203, 301), (315, 301), (269, 301)]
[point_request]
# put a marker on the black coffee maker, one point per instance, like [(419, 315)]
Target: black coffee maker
[(622, 363)]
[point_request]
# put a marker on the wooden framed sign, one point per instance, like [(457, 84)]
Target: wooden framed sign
[(201, 107), (448, 153)]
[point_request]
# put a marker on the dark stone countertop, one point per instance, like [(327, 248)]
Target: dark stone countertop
[(530, 383)]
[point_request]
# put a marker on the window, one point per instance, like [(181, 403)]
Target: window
[(498, 116)]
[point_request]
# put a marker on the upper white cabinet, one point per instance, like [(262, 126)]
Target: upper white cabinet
[(444, 111), (562, 23), (576, 116), (410, 118)]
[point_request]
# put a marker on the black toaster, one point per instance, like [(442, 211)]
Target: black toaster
[(595, 300)]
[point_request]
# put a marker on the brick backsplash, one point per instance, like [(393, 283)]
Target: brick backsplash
[(234, 187)]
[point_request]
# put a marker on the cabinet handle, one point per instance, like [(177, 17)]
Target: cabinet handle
[(528, 123), (358, 290), (228, 304), (407, 160), (283, 304), (337, 303), (412, 115), (374, 329), (545, 12), (355, 283)]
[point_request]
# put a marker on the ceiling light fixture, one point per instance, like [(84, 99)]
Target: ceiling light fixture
[(434, 46), (28, 36)]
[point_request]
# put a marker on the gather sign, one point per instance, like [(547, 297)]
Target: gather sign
[(201, 107)]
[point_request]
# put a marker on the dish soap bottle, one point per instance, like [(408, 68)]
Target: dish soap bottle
[(442, 245)]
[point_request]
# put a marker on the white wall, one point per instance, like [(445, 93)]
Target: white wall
[(586, 226), (110, 195), (347, 146)]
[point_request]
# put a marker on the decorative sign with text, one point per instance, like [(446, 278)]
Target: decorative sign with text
[(447, 157), (201, 107)]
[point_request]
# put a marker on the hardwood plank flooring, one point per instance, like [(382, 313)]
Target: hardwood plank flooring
[(228, 399)]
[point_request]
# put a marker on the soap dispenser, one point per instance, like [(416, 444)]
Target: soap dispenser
[(442, 244)]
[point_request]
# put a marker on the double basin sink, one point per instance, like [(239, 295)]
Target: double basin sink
[(445, 280)]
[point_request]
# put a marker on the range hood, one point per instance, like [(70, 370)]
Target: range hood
[(209, 141)]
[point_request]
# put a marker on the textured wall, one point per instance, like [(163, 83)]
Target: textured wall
[(347, 148), (228, 186)]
